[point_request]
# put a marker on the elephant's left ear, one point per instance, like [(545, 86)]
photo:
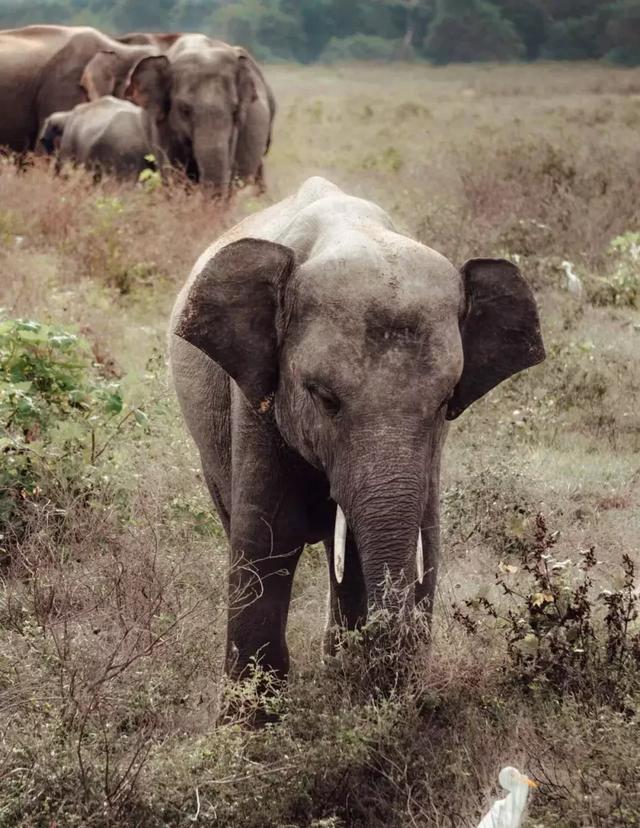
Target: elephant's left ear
[(500, 333), (100, 74), (245, 81), (233, 313)]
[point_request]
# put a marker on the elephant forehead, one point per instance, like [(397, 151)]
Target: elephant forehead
[(344, 357), (196, 67), (390, 284)]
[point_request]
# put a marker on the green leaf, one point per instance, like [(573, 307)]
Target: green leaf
[(63, 340), (114, 403), (28, 325)]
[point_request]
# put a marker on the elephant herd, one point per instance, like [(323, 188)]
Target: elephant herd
[(317, 352), (193, 103)]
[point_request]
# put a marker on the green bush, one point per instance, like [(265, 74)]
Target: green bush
[(574, 39), (529, 20), (622, 286), (471, 30), (623, 33), (58, 416), (359, 47)]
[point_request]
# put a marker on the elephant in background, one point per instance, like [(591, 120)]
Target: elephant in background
[(162, 41), (106, 135), (209, 110), (318, 354), (46, 69)]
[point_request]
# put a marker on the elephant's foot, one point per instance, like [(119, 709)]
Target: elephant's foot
[(256, 675)]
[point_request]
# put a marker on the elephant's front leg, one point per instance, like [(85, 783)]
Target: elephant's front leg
[(260, 582), (347, 600)]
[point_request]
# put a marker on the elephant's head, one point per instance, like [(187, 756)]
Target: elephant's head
[(362, 353), (196, 103), (51, 133)]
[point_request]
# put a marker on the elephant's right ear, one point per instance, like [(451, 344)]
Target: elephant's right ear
[(233, 313), (149, 86)]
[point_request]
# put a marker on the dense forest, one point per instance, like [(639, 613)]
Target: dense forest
[(442, 31)]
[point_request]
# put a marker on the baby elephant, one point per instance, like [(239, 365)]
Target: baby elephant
[(318, 354), (106, 135)]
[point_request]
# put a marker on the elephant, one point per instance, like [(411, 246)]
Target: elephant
[(162, 41), (46, 69), (106, 135), (318, 354), (209, 110)]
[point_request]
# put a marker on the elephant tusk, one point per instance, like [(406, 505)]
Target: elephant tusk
[(339, 543), (420, 558)]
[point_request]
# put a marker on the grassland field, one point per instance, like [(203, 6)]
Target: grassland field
[(112, 568)]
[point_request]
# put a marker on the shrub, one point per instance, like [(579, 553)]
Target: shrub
[(150, 177), (106, 243), (622, 287), (359, 47), (491, 505), (561, 633), (58, 415)]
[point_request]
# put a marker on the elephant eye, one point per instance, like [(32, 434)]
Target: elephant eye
[(325, 400), (184, 109)]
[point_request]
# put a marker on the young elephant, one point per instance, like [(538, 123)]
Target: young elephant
[(318, 354), (106, 135)]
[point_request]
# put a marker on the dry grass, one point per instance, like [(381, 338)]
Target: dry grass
[(112, 607)]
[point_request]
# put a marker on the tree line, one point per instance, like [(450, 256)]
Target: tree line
[(442, 31)]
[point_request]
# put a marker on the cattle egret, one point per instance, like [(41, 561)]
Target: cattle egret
[(574, 282), (508, 812)]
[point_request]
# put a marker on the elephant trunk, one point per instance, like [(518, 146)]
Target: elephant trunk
[(382, 505), (50, 137), (213, 157)]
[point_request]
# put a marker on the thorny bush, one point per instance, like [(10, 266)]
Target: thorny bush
[(561, 633)]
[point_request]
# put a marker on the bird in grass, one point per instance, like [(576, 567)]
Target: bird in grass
[(574, 282), (508, 812)]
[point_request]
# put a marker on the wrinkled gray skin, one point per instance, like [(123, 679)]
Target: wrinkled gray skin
[(106, 135), (209, 110), (46, 69), (317, 355)]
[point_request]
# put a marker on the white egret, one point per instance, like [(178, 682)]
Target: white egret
[(508, 812), (574, 282)]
